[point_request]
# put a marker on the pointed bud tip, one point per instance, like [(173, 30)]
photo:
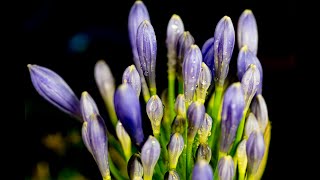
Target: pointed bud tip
[(247, 11)]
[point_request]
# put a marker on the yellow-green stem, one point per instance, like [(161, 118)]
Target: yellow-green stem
[(239, 132), (114, 170), (190, 161)]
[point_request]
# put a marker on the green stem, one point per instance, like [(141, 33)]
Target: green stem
[(114, 170), (114, 143), (153, 91), (190, 161), (215, 112), (180, 86), (145, 89), (171, 95)]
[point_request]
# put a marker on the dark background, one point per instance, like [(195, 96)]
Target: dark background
[(70, 36)]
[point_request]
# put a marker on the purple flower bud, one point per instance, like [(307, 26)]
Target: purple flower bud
[(208, 54), (202, 171), (260, 110), (250, 83), (183, 45), (191, 71), (97, 133), (174, 30), (155, 113), (171, 175), (150, 154), (180, 105), (226, 168), (88, 106), (135, 168), (138, 13), (132, 77), (55, 90), (251, 125), (196, 114), (130, 118), (204, 82), (178, 124), (204, 152), (255, 151), (124, 139), (232, 111), (247, 31), (223, 47), (147, 51), (175, 148), (85, 136), (205, 129), (105, 81)]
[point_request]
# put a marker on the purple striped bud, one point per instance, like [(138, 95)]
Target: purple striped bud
[(191, 71), (88, 106), (196, 113), (132, 77), (223, 47), (232, 111), (175, 148), (205, 129), (208, 54), (250, 83), (124, 139), (202, 171), (174, 30), (247, 31), (226, 168), (85, 136), (138, 13), (130, 118), (183, 45), (97, 133), (150, 154), (135, 168), (255, 151), (204, 82), (178, 125), (204, 152), (251, 125), (180, 105), (171, 175), (55, 90), (147, 51), (155, 113), (260, 110)]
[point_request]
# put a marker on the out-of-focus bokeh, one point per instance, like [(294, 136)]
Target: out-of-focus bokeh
[(69, 37)]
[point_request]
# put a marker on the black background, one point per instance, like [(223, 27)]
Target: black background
[(49, 26)]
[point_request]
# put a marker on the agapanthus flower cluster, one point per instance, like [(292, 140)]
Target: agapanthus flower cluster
[(207, 128)]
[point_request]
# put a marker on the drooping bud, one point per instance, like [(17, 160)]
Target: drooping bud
[(204, 152), (203, 83), (196, 114), (250, 83), (202, 171), (208, 54), (135, 168), (150, 154), (132, 77), (55, 90), (247, 31), (232, 111), (226, 168), (251, 125), (88, 106), (155, 113), (260, 110), (224, 37), (175, 148), (205, 129), (255, 151)]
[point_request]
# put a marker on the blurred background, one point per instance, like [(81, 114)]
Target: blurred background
[(69, 37)]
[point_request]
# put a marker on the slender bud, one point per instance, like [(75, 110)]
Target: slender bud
[(242, 158), (155, 113), (180, 105), (85, 136), (175, 148), (171, 175), (135, 168), (208, 54), (223, 47), (150, 154), (204, 152), (251, 125), (196, 114), (247, 31), (124, 139), (250, 83), (147, 51), (191, 71), (226, 168), (205, 129), (204, 82), (138, 13), (255, 151), (184, 42), (174, 29), (132, 77), (130, 118), (55, 90), (260, 110), (202, 171), (232, 111), (178, 125), (88, 106)]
